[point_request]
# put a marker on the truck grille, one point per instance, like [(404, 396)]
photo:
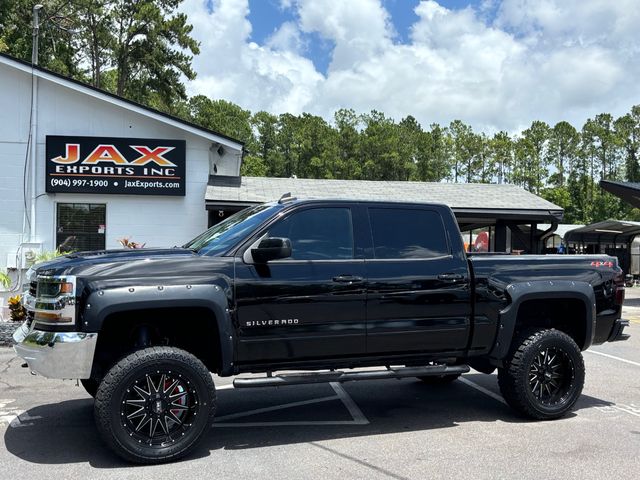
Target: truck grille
[(33, 287), (30, 316)]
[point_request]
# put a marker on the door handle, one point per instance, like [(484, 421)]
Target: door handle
[(347, 279), (450, 277)]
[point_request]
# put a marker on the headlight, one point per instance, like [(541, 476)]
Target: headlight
[(55, 302)]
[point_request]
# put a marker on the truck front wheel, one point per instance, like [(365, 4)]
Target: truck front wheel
[(155, 405), (543, 374)]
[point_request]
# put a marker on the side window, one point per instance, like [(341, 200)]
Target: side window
[(407, 233), (317, 233)]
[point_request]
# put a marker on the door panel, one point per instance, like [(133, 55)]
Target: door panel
[(311, 305), (409, 309), (322, 317), (418, 293)]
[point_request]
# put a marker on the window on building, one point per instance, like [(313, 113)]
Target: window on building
[(407, 233), (318, 233), (80, 226)]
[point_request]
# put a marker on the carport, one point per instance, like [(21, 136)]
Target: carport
[(611, 237)]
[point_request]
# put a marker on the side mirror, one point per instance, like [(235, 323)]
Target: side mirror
[(271, 249)]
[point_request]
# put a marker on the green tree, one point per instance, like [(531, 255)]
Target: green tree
[(627, 129), (265, 126), (58, 49), (501, 151), (433, 154), (151, 48), (348, 164), (530, 169), (224, 117), (381, 149), (564, 141), (463, 149)]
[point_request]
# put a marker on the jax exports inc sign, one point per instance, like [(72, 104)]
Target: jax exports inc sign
[(129, 166)]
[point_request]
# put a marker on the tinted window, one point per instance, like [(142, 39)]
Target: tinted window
[(80, 226), (317, 234), (221, 237), (407, 233)]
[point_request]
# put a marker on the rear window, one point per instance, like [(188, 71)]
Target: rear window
[(407, 233)]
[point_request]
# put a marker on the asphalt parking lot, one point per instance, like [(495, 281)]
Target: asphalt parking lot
[(373, 429)]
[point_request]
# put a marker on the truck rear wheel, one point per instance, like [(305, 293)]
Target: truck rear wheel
[(543, 375), (155, 405)]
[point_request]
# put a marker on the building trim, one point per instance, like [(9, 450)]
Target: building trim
[(130, 105)]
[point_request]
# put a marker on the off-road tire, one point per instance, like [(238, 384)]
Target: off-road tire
[(195, 392), (439, 379), (518, 376), (91, 386)]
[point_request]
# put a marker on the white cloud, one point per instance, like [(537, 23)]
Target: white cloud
[(230, 66), (287, 39), (538, 59)]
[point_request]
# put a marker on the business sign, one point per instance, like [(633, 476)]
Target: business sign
[(128, 166)]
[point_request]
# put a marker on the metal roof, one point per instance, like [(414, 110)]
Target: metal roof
[(469, 198), (561, 230), (609, 231), (120, 101), (627, 191)]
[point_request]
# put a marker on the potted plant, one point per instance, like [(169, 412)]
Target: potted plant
[(18, 312)]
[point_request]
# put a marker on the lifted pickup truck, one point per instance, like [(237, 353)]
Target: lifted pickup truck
[(317, 287)]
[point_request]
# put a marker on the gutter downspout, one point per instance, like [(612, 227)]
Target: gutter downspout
[(34, 123)]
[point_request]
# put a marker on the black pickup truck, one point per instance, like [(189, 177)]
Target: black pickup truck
[(311, 290)]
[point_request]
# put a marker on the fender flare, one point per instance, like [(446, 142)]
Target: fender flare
[(102, 303), (542, 290)]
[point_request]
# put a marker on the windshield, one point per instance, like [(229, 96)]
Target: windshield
[(221, 237)]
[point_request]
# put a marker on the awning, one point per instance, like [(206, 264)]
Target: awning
[(609, 231), (627, 191)]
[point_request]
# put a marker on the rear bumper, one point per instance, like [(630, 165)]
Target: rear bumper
[(617, 332), (56, 354)]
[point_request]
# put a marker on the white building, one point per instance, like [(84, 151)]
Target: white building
[(154, 215)]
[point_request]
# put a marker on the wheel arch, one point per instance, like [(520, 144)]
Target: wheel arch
[(544, 292), (127, 307)]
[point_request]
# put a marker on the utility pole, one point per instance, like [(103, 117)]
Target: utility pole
[(34, 122)]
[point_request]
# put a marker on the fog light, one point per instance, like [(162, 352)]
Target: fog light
[(51, 318)]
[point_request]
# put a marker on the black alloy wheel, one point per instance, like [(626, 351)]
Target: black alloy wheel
[(158, 408), (551, 376), (155, 405), (543, 374)]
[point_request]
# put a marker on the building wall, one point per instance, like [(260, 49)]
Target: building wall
[(154, 220)]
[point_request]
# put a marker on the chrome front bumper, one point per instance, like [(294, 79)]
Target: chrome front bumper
[(56, 354)]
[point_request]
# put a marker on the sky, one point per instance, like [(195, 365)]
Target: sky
[(495, 64)]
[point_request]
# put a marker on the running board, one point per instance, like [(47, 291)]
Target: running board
[(338, 376)]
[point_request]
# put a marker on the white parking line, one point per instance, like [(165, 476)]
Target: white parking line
[(614, 357), (354, 410), (626, 409), (481, 389), (248, 413), (358, 417)]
